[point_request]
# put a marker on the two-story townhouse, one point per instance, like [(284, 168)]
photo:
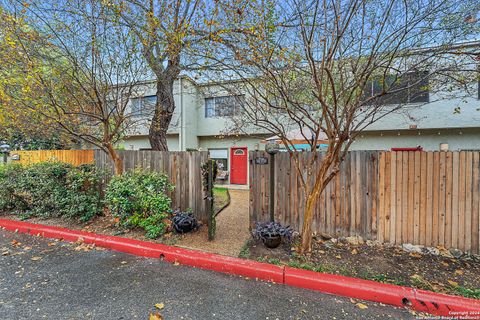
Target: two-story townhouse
[(202, 120)]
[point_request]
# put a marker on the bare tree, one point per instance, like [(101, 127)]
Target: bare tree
[(331, 69), (174, 37), (82, 70), (163, 29)]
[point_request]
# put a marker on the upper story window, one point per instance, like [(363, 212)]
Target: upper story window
[(412, 87), (223, 106), (143, 105)]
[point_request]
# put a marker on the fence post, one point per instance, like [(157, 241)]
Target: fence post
[(210, 197), (272, 187)]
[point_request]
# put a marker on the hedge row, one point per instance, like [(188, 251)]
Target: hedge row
[(54, 189), (50, 190)]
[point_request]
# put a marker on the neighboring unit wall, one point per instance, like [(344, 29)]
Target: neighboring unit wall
[(429, 140), (443, 111)]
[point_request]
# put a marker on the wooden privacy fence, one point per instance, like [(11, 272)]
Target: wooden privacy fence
[(182, 168), (74, 157), (426, 198)]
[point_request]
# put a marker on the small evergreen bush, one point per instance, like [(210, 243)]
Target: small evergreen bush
[(139, 199)]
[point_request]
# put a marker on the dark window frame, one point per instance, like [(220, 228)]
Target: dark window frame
[(142, 109), (214, 109), (414, 92)]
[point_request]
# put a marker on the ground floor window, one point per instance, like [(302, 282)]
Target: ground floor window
[(221, 157)]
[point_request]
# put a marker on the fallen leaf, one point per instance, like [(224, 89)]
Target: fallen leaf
[(35, 258), (159, 306), (51, 244), (353, 301), (354, 251), (5, 253), (176, 263), (321, 251), (415, 255), (83, 247), (155, 316), (453, 283), (361, 306), (123, 262), (445, 264), (15, 243), (458, 272), (27, 248), (338, 257)]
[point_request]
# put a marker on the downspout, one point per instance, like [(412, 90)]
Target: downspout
[(182, 112)]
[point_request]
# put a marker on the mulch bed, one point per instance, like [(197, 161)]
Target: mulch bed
[(383, 263), (105, 224)]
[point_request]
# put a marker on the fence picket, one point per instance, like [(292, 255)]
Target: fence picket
[(428, 198)]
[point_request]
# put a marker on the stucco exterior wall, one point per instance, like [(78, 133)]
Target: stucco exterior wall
[(435, 123), (439, 113), (227, 142), (429, 140), (142, 142)]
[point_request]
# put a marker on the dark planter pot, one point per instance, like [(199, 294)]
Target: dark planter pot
[(184, 222), (272, 241), (184, 227)]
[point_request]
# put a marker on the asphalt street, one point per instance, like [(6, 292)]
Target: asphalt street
[(46, 279)]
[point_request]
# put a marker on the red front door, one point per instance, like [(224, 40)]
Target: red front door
[(238, 165)]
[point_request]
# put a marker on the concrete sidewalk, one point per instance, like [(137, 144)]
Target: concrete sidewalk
[(45, 279)]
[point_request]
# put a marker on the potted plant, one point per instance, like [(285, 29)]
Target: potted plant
[(184, 222), (272, 233)]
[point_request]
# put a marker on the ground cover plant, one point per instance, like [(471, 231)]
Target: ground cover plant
[(140, 198), (221, 199)]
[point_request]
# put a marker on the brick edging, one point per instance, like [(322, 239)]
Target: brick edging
[(419, 300)]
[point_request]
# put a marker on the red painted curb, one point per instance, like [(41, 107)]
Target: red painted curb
[(199, 259), (348, 287), (420, 300)]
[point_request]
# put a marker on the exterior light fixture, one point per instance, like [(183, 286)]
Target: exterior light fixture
[(5, 150), (272, 147)]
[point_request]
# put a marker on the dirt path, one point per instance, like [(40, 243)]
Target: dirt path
[(232, 229)]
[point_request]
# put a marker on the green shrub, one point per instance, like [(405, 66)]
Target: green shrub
[(139, 199), (50, 189)]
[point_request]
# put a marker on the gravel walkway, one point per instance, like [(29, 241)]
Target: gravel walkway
[(232, 229)]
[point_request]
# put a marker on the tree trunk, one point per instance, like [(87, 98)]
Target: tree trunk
[(117, 161), (312, 197), (307, 224), (164, 109)]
